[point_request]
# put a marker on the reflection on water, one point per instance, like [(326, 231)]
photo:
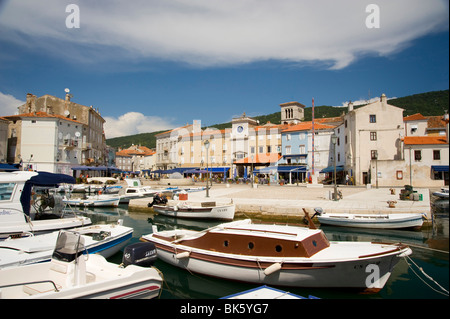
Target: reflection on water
[(430, 247)]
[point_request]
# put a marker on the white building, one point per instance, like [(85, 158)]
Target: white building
[(50, 143)]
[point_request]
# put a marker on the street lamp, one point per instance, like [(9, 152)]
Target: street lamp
[(253, 176), (333, 141), (207, 172)]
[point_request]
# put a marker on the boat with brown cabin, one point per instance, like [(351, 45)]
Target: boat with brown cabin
[(279, 255)]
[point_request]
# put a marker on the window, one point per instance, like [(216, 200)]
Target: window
[(269, 149), (399, 175), (6, 190), (374, 154), (373, 136), (417, 155), (288, 150), (288, 137), (372, 118), (436, 155), (261, 149), (302, 149), (252, 150)]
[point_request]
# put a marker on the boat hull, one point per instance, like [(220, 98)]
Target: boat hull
[(373, 221), (113, 202), (225, 212), (290, 272), (38, 249), (107, 281)]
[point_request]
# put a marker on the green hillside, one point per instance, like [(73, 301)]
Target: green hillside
[(430, 103)]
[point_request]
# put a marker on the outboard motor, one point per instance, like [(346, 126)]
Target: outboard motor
[(317, 211), (158, 200), (140, 254)]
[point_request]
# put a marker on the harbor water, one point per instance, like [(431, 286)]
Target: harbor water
[(430, 247)]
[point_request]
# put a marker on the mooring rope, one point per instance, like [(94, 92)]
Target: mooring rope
[(427, 276)]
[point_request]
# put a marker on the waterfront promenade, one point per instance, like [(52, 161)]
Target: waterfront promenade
[(288, 201)]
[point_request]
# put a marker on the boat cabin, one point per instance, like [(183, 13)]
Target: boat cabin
[(255, 240)]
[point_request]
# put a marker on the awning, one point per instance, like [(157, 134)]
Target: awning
[(330, 169), (218, 169), (291, 169), (439, 168)]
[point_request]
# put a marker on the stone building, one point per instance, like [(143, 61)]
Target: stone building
[(93, 140)]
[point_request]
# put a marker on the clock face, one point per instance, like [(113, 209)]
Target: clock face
[(240, 129)]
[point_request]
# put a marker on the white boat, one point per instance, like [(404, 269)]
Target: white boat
[(266, 292), (105, 240), (200, 210), (135, 190), (443, 193), (70, 274), (373, 221), (278, 255), (23, 212), (99, 200)]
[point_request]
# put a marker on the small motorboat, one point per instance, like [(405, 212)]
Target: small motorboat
[(27, 207), (105, 240), (98, 200), (373, 221), (200, 210), (278, 255), (70, 274), (135, 190), (443, 193)]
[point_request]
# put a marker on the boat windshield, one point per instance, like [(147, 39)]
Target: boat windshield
[(69, 246)]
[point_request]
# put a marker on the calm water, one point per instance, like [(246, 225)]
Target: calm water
[(430, 251)]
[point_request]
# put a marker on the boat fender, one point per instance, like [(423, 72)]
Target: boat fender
[(184, 254), (272, 268)]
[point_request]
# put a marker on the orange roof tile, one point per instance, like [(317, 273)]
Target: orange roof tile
[(414, 117), (306, 126), (43, 115), (424, 140)]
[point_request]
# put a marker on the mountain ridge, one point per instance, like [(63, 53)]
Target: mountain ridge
[(428, 104)]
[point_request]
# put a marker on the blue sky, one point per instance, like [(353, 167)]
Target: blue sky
[(157, 64)]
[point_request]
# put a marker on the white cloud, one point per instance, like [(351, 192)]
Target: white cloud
[(134, 123), (9, 104), (217, 32)]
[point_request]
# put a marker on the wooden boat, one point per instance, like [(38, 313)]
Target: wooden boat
[(443, 193), (373, 221), (22, 212), (70, 274), (201, 210), (105, 240), (278, 255)]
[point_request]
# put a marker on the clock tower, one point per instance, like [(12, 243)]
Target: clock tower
[(241, 128), (292, 112)]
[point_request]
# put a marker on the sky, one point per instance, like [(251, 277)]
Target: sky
[(151, 65)]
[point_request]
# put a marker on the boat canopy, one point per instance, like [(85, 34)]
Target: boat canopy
[(43, 179), (330, 169)]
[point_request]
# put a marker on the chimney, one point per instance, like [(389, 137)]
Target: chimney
[(350, 106), (31, 103), (383, 98)]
